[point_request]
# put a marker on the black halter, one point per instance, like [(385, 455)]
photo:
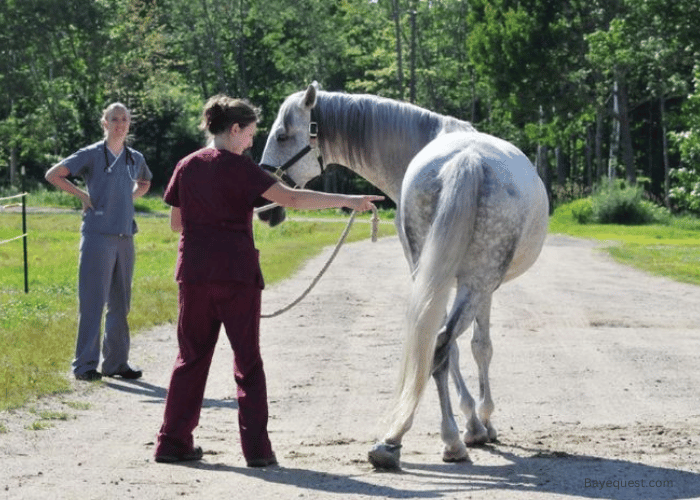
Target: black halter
[(281, 171)]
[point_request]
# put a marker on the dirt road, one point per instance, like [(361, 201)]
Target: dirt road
[(595, 377)]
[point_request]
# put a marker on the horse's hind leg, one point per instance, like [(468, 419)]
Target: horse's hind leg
[(482, 350), (455, 449), (476, 432), (464, 310), (478, 417)]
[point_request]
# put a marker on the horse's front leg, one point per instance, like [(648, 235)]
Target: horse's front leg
[(482, 349)]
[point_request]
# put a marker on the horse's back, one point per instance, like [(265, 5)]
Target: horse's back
[(512, 201)]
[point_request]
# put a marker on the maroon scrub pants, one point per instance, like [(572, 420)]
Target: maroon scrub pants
[(203, 308)]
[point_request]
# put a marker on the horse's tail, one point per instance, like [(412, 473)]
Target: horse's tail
[(446, 243)]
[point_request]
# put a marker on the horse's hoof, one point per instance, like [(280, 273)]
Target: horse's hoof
[(476, 433), (476, 439), (454, 456), (493, 434), (385, 456)]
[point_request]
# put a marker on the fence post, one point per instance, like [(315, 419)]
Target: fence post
[(24, 232), (22, 195)]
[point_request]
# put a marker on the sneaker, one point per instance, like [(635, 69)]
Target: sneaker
[(263, 462), (89, 376), (129, 374), (195, 454)]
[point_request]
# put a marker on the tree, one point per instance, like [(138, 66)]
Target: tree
[(51, 77), (540, 73), (685, 195)]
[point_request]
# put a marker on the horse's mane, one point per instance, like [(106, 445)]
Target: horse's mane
[(368, 129)]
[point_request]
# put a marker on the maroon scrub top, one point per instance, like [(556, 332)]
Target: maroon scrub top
[(215, 191)]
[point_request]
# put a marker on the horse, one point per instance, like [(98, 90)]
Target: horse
[(472, 212)]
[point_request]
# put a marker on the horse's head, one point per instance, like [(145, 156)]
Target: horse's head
[(289, 149)]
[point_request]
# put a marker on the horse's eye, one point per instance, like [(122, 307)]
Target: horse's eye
[(281, 137)]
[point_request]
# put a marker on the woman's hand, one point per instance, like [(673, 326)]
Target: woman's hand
[(363, 203), (86, 201)]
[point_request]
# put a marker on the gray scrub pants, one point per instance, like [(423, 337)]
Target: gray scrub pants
[(105, 271)]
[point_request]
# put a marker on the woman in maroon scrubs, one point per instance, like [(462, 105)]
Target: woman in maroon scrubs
[(212, 194)]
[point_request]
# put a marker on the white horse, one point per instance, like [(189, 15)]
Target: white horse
[(471, 212)]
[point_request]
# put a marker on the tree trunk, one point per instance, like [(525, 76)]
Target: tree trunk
[(664, 142), (13, 165), (600, 167), (412, 91), (626, 136), (399, 60), (589, 156), (542, 165), (216, 53), (615, 134), (240, 51), (573, 170), (560, 158)]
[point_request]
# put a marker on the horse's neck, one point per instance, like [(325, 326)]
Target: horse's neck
[(376, 143)]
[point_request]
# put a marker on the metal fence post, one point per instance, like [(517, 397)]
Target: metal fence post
[(24, 232), (24, 235)]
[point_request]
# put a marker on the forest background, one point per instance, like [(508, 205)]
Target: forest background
[(588, 89)]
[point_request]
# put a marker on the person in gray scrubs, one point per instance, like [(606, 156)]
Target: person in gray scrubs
[(114, 175)]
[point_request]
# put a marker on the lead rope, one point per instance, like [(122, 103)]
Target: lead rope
[(375, 226), (265, 208)]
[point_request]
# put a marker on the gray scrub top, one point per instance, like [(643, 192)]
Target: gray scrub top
[(110, 187)]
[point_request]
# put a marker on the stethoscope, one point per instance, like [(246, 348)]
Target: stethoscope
[(129, 158)]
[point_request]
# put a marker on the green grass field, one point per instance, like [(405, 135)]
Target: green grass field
[(671, 250)]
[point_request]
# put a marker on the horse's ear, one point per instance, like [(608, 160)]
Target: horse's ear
[(310, 95)]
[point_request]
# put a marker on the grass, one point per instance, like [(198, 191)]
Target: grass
[(78, 405), (37, 330), (671, 249), (54, 415), (39, 425), (45, 419)]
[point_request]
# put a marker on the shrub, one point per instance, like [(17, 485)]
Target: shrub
[(582, 210), (617, 203)]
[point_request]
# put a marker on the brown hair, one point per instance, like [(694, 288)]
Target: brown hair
[(221, 112)]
